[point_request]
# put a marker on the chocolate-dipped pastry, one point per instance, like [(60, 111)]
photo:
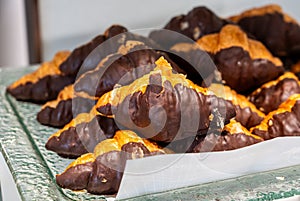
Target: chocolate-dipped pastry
[(164, 106), (94, 83), (67, 106), (114, 37), (270, 95), (43, 84), (133, 60), (269, 24), (73, 63), (197, 23), (82, 134), (101, 172), (285, 121), (233, 136), (246, 112), (245, 64)]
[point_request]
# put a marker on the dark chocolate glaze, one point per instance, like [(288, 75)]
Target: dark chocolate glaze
[(281, 38), (198, 22), (162, 109), (282, 124), (134, 150), (73, 63), (197, 64), (65, 111), (242, 73), (119, 69), (247, 117), (268, 99), (75, 178), (45, 89), (82, 138), (183, 146), (223, 142), (215, 140), (104, 175), (107, 173)]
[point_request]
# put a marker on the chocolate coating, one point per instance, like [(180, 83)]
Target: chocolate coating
[(282, 38), (247, 117), (225, 141), (172, 107), (242, 73), (119, 69), (197, 64), (198, 22), (96, 83), (135, 150), (75, 178), (107, 173), (282, 124), (82, 138), (215, 140), (269, 98), (64, 112), (45, 89), (74, 62)]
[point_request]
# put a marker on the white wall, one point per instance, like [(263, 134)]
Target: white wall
[(68, 23), (13, 38)]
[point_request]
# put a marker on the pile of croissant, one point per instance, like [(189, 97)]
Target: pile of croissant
[(143, 96)]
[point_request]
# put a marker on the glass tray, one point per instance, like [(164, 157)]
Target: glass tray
[(22, 141)]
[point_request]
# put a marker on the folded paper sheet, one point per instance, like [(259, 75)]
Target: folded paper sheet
[(165, 172)]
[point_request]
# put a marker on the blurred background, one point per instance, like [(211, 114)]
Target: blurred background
[(31, 31)]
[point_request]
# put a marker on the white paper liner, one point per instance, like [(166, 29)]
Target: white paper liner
[(165, 172)]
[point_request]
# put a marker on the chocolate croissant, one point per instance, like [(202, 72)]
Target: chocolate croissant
[(67, 105), (198, 22), (245, 64), (246, 112), (269, 24), (270, 95), (165, 104), (233, 136), (82, 134), (133, 60), (101, 172), (285, 121), (43, 84)]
